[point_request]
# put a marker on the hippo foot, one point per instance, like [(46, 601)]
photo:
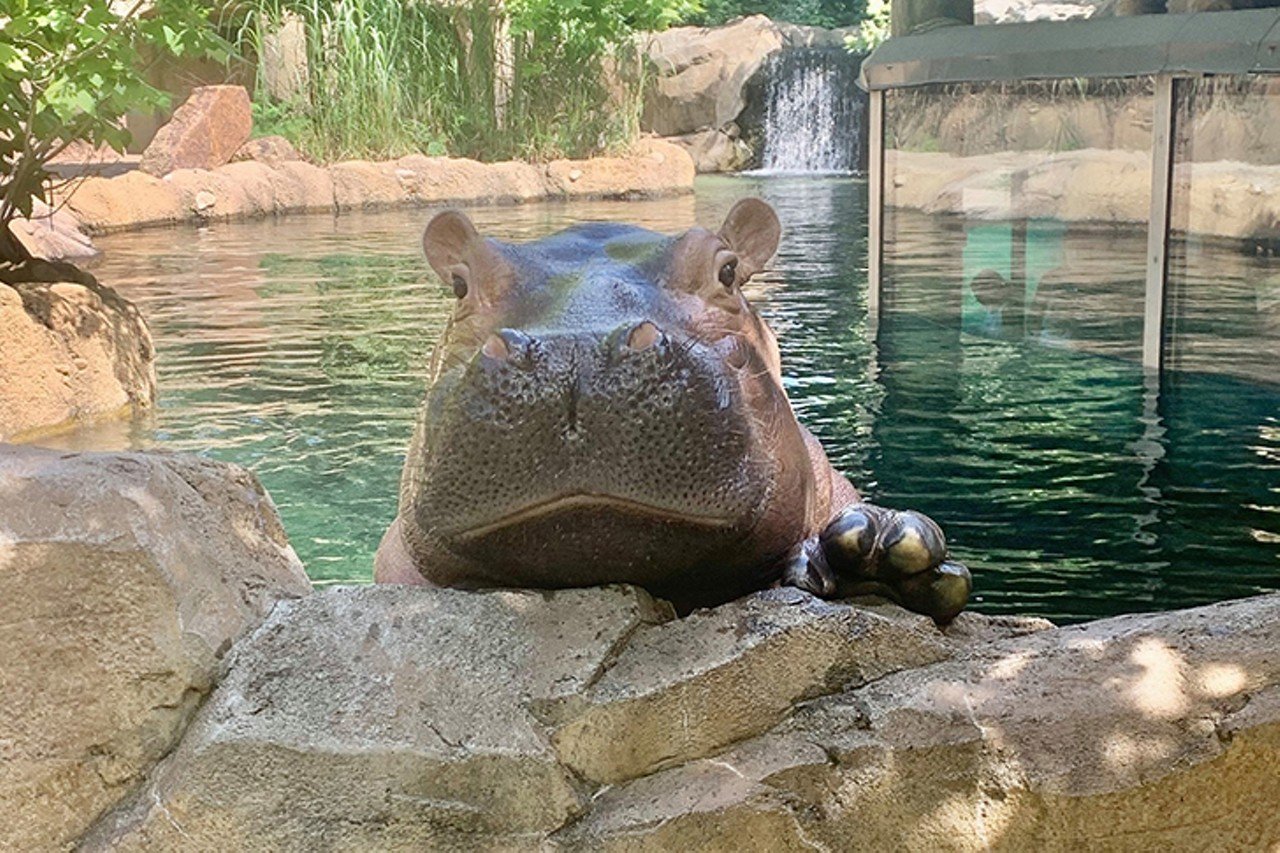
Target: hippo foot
[(867, 548)]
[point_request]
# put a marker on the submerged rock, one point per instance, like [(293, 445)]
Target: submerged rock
[(70, 351), (124, 579)]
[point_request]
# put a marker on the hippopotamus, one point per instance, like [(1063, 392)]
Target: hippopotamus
[(606, 406)]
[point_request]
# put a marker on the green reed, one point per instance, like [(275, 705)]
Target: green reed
[(390, 77)]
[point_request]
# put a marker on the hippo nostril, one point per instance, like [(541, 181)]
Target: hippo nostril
[(506, 345), (496, 348), (643, 336)]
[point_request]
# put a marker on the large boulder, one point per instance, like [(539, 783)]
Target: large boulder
[(700, 73), (124, 579), (1157, 732), (386, 718), (204, 132), (70, 351)]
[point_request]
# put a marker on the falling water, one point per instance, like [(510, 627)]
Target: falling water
[(813, 112)]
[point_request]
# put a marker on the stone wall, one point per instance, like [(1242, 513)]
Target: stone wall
[(253, 188)]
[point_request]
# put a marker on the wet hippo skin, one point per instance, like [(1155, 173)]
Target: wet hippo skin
[(605, 406)]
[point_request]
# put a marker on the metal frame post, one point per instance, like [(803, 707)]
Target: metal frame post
[(1162, 139), (875, 206)]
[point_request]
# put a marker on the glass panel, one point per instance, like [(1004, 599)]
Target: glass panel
[(1224, 252), (1017, 211)]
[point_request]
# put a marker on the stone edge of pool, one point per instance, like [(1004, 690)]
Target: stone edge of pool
[(252, 189), (178, 685)]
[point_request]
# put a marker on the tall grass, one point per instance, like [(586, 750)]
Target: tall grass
[(391, 77)]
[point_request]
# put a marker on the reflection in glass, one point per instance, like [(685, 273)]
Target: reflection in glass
[(1224, 268)]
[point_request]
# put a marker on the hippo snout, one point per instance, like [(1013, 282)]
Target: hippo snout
[(631, 415)]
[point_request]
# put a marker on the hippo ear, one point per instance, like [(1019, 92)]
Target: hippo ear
[(457, 252), (752, 230)]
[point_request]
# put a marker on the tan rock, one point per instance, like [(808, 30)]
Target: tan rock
[(653, 168), (439, 180), (587, 720), (204, 132), (52, 234), (700, 74), (1157, 732), (217, 194), (272, 150), (714, 150), (131, 200), (123, 580), (70, 352), (518, 182), (385, 718), (302, 187), (690, 688), (359, 184)]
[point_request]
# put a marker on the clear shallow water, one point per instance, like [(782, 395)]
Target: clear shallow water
[(296, 347)]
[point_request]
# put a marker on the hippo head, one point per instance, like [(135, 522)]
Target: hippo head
[(604, 406)]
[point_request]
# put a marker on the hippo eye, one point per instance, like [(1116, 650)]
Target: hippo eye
[(459, 286), (729, 273)]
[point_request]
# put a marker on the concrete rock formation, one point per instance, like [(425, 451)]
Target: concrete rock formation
[(701, 77), (264, 182), (204, 132), (393, 718), (54, 235), (124, 578), (700, 73), (69, 352)]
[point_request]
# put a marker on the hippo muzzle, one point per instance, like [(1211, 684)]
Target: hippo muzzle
[(604, 454)]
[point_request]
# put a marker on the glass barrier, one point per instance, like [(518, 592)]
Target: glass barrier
[(1223, 297), (1018, 211)]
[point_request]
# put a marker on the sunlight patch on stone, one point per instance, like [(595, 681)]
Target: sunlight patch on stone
[(1160, 690)]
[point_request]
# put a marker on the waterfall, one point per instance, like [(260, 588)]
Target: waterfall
[(813, 113)]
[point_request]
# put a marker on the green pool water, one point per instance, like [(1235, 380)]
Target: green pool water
[(1070, 484)]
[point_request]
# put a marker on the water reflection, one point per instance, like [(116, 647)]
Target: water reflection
[(1073, 488)]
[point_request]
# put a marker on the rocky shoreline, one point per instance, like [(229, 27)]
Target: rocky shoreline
[(174, 683), (254, 188)]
